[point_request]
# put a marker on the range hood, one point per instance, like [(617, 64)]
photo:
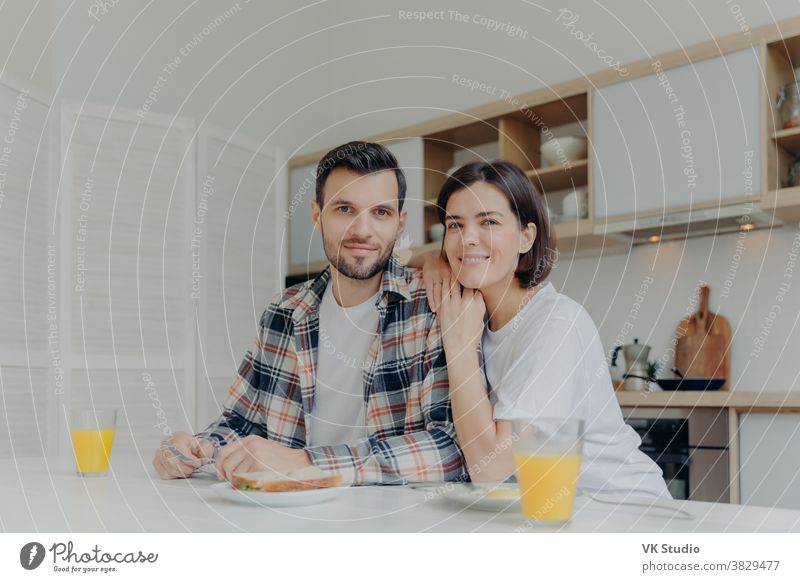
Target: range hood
[(688, 224)]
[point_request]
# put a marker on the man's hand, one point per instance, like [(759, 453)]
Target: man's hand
[(255, 453), (169, 467)]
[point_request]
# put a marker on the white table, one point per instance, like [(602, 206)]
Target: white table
[(45, 495)]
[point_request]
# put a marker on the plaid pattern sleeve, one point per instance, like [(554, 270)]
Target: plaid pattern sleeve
[(234, 423), (431, 454), (243, 412)]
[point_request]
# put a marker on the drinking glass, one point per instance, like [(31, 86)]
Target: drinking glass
[(92, 433), (547, 456)]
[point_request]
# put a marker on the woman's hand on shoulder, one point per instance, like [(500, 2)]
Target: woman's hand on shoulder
[(435, 269), (461, 313)]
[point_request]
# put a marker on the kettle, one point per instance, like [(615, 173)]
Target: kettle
[(635, 377)]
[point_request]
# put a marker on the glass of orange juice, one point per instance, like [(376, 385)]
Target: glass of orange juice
[(92, 433), (547, 456)]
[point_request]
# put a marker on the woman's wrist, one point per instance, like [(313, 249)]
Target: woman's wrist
[(454, 344), (466, 356)]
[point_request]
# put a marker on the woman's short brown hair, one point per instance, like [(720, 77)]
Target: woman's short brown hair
[(525, 201)]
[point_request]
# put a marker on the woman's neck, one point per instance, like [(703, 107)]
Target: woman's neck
[(504, 300)]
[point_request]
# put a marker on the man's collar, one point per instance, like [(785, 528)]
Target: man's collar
[(394, 287), (395, 280)]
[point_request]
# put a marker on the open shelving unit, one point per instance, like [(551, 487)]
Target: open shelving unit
[(455, 146), (517, 136), (554, 178), (514, 130), (788, 139), (782, 57)]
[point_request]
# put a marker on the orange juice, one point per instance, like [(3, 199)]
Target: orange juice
[(547, 485), (92, 449)]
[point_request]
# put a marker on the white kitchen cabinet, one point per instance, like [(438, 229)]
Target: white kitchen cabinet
[(306, 243), (684, 136), (770, 467)]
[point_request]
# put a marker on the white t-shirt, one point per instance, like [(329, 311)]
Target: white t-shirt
[(345, 334), (548, 362)]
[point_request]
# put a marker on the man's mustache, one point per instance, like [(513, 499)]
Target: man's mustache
[(358, 241)]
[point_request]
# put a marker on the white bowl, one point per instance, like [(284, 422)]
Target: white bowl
[(576, 203), (564, 149), (436, 232)]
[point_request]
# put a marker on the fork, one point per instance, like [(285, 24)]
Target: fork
[(206, 467)]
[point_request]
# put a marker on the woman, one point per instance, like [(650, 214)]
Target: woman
[(541, 350)]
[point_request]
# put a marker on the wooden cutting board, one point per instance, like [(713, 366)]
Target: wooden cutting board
[(703, 342)]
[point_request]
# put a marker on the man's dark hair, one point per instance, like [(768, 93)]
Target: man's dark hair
[(526, 203), (363, 158)]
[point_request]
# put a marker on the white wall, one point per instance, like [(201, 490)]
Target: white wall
[(315, 74), (749, 275), (25, 53), (232, 58), (744, 272)]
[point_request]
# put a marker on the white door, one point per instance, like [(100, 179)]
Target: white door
[(238, 247), (126, 197)]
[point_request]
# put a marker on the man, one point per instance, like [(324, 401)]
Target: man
[(348, 372)]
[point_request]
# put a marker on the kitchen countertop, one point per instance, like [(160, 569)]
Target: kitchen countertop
[(784, 402), (46, 495)]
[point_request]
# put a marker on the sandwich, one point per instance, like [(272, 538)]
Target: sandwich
[(293, 480)]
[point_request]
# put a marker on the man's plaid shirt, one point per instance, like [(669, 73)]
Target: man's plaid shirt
[(408, 414)]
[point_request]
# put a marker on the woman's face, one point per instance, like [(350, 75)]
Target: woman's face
[(483, 239)]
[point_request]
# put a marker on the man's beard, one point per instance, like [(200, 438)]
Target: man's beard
[(362, 269)]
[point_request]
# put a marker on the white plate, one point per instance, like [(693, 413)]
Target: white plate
[(277, 499), (494, 497)]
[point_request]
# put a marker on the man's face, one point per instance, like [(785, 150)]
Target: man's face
[(359, 222)]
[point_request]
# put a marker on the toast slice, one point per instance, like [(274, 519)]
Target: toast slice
[(295, 480)]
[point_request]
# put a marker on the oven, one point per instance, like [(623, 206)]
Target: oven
[(691, 447)]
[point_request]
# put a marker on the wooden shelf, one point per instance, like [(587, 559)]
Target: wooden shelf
[(520, 132), (557, 112), (788, 139), (560, 177), (783, 203), (789, 48), (567, 230), (466, 136)]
